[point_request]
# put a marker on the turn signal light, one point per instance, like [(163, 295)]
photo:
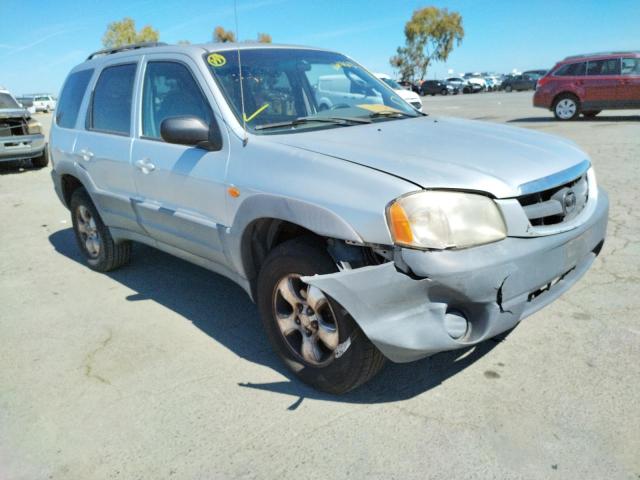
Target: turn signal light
[(399, 224)]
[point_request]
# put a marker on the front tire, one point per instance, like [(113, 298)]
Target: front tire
[(566, 107), (42, 160), (101, 252), (309, 330), (508, 89)]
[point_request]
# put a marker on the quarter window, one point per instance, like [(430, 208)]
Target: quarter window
[(631, 66), (112, 98), (571, 70), (610, 66), (170, 91), (71, 98)]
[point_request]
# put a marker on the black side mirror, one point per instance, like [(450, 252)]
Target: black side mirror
[(191, 131)]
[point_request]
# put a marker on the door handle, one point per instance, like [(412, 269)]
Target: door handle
[(145, 165), (85, 154)]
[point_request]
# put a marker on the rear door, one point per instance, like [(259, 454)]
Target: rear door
[(181, 189), (629, 86), (601, 84), (65, 122), (103, 146)]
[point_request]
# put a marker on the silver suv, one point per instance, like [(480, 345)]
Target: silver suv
[(362, 228)]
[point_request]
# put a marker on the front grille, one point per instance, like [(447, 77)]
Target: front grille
[(556, 205), (10, 127)]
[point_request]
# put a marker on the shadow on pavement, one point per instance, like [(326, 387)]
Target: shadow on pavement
[(17, 166), (598, 119), (222, 310)]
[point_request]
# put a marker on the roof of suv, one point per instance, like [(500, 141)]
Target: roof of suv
[(197, 49), (591, 56)]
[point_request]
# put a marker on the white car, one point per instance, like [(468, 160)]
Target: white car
[(43, 102), (407, 95)]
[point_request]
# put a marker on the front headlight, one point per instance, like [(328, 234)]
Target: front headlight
[(33, 127), (438, 220)]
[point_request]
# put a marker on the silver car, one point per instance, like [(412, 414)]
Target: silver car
[(364, 230), (21, 135)]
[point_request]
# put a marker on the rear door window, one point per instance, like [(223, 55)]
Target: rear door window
[(631, 66), (572, 70), (610, 66), (71, 98), (110, 110)]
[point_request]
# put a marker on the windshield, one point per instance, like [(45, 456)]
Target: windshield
[(283, 86), (7, 101), (392, 83)]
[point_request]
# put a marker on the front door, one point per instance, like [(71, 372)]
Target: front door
[(181, 191)]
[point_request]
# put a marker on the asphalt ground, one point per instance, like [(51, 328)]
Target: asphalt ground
[(161, 369)]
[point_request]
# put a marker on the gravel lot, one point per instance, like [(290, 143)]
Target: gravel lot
[(161, 369)]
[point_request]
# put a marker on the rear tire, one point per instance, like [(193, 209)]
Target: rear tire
[(444, 91), (41, 161), (101, 252), (288, 308), (566, 107)]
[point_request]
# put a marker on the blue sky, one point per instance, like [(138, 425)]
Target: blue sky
[(41, 40)]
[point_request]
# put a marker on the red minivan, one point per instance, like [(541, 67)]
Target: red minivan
[(588, 84)]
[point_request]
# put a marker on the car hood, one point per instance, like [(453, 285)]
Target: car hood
[(446, 152), (13, 112)]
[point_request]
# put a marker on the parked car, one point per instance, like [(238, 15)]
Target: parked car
[(524, 81), (21, 136), (42, 102), (476, 79), (408, 96), (414, 87), (364, 232), (435, 87), (588, 84), (463, 85), (340, 91), (27, 104)]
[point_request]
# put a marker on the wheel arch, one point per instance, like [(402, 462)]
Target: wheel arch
[(69, 184), (263, 222)]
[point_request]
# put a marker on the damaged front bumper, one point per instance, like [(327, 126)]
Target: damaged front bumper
[(21, 147), (488, 288)]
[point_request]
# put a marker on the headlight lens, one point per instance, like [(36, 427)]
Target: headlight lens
[(34, 127), (442, 219)]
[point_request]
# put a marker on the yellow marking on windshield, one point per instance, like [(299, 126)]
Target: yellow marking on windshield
[(376, 107), (256, 113), (216, 60), (342, 64)]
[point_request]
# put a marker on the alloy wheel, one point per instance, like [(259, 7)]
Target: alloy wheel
[(305, 319), (88, 231), (566, 108)]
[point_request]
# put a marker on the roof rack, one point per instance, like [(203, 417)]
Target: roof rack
[(597, 54), (124, 48)]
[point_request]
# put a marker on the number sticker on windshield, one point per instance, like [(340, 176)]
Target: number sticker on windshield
[(216, 60)]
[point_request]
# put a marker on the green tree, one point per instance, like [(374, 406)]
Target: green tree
[(220, 35), (430, 36), (124, 33), (264, 38)]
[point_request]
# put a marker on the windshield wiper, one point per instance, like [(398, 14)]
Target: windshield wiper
[(303, 120)]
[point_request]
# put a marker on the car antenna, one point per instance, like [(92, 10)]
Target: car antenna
[(245, 139)]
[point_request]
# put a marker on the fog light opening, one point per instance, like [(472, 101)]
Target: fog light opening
[(456, 324)]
